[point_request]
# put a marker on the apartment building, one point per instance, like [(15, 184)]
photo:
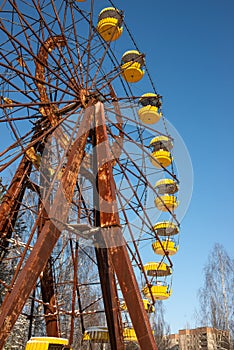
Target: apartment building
[(204, 338)]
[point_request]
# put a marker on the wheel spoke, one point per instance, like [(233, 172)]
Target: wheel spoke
[(79, 207)]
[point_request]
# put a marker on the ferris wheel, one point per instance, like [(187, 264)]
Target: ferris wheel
[(92, 183)]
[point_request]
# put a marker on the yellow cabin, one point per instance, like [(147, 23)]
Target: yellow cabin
[(157, 269), (159, 289), (166, 186), (97, 335), (132, 64), (149, 308), (166, 228), (101, 335), (129, 334), (161, 156), (166, 202), (161, 142), (47, 343), (161, 159), (109, 24), (159, 292), (149, 113), (169, 246)]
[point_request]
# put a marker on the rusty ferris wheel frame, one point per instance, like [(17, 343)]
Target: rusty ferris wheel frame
[(49, 73)]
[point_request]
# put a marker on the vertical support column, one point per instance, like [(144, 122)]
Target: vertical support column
[(14, 303), (46, 277), (48, 298), (12, 199), (105, 268), (11, 202), (110, 299), (112, 234)]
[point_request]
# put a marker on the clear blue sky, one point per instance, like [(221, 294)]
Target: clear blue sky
[(189, 51)]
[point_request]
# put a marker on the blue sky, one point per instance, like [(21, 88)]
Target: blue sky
[(189, 51)]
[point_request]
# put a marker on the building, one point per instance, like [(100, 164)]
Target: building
[(204, 338)]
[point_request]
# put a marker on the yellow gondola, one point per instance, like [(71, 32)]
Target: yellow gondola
[(109, 24), (129, 334), (166, 202), (161, 155), (149, 113), (169, 246), (157, 269), (132, 64), (97, 335), (159, 292), (161, 159), (149, 308), (166, 186), (46, 343), (101, 335), (161, 142), (166, 228)]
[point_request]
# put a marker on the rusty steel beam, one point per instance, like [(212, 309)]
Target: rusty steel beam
[(106, 186), (48, 297), (14, 303), (47, 289), (114, 240), (102, 219), (75, 256), (46, 277), (12, 200), (110, 298), (132, 297), (49, 301)]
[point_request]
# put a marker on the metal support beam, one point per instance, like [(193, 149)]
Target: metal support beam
[(46, 277), (105, 268), (114, 240), (11, 203), (14, 303), (110, 298), (49, 302), (133, 299)]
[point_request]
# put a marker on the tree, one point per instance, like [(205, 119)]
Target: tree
[(216, 295), (161, 328), (8, 265), (2, 189)]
